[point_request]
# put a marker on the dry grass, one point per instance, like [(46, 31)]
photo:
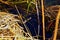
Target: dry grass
[(43, 19), (56, 25)]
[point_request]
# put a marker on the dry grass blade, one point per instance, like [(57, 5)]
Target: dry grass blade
[(4, 2), (38, 17), (56, 25), (43, 19)]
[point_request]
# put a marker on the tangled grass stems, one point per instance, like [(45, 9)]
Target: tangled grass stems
[(27, 29)]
